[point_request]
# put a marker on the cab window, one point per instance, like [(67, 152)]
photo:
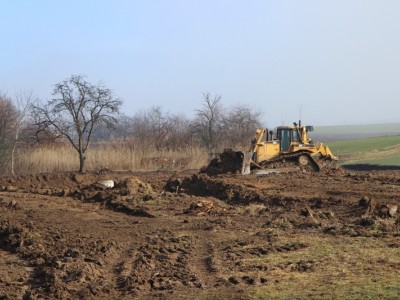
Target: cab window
[(295, 136), (285, 139)]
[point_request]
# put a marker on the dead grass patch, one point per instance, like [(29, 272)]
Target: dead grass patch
[(342, 268)]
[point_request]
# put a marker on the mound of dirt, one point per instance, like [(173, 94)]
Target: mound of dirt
[(133, 186), (126, 196), (173, 184), (206, 207), (205, 186), (227, 162)]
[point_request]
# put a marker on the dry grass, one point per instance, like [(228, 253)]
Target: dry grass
[(115, 156), (342, 268)]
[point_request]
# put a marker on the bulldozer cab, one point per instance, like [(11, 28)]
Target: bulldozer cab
[(287, 136)]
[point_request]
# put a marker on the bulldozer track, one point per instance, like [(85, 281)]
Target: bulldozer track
[(287, 160)]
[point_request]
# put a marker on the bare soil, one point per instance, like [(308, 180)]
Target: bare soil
[(169, 235)]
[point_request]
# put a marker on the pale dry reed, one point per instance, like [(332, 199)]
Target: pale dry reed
[(111, 155)]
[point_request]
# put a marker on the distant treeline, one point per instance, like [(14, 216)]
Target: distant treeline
[(213, 128)]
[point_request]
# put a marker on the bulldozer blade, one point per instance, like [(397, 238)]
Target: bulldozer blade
[(246, 163), (266, 171), (272, 171)]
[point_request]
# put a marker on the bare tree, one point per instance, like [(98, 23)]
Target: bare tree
[(123, 129), (20, 129), (143, 129), (160, 124), (208, 122), (155, 129), (8, 113), (151, 127), (78, 107), (179, 132), (240, 124)]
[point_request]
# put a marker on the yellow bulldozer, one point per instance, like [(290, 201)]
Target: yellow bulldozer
[(289, 148)]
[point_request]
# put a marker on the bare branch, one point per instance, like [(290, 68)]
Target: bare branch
[(77, 108), (209, 120)]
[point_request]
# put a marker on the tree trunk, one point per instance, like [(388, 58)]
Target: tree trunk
[(82, 162), (13, 157)]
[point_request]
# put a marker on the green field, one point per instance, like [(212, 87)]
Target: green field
[(374, 144), (365, 145), (377, 151)]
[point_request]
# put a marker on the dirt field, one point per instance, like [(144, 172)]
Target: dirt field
[(164, 235)]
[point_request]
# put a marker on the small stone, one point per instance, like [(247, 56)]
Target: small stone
[(392, 210), (58, 263), (13, 204)]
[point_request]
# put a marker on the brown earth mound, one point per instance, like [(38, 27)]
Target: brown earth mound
[(227, 162)]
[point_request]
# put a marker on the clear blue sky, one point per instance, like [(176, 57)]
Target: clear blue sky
[(330, 61)]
